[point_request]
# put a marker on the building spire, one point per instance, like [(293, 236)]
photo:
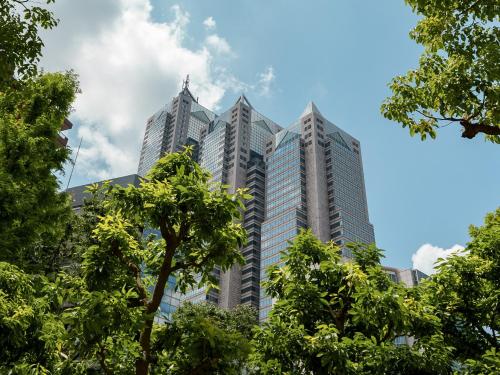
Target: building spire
[(311, 108), (185, 83)]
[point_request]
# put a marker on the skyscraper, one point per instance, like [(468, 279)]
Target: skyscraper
[(309, 174)]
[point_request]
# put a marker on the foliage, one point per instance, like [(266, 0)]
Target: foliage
[(29, 333), (489, 363), (343, 318), (466, 294), (457, 80), (20, 44), (32, 212), (205, 339), (193, 226)]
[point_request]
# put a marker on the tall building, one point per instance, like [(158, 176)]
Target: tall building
[(309, 174), (173, 126)]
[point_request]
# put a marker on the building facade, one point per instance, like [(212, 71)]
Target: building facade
[(307, 175)]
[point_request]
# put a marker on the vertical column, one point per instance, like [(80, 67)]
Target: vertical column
[(316, 184)]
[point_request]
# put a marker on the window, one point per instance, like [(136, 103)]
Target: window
[(248, 299), (335, 225), (249, 270)]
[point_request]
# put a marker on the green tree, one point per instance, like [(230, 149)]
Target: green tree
[(343, 318), (194, 227), (20, 44), (205, 339), (32, 212), (466, 294), (29, 332), (457, 80)]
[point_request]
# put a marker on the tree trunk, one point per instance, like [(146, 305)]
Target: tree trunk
[(141, 367), (142, 364)]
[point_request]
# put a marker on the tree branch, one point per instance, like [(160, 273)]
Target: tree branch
[(473, 5), (438, 118), (172, 241), (388, 334), (194, 264), (471, 130), (101, 354), (134, 269)]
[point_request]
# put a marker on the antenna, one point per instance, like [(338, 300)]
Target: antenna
[(185, 83), (74, 162)]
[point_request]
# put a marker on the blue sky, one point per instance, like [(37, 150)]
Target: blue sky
[(341, 55)]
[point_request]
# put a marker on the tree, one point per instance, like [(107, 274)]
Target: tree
[(343, 318), (32, 212), (194, 225), (457, 81), (466, 293), (29, 332), (205, 339), (20, 44)]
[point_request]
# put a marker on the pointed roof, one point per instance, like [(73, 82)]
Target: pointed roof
[(201, 115), (339, 139), (262, 124), (284, 136), (311, 108), (243, 99)]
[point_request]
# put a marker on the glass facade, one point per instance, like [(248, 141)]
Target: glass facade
[(285, 205), (346, 190), (154, 140), (212, 153), (169, 302)]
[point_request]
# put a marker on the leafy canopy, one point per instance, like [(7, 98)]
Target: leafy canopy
[(30, 332), (457, 80), (343, 318), (466, 294), (32, 211), (193, 227), (20, 44), (205, 339)]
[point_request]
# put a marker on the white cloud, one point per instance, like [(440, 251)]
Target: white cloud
[(266, 79), (218, 44), (425, 257), (209, 23), (129, 66)]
